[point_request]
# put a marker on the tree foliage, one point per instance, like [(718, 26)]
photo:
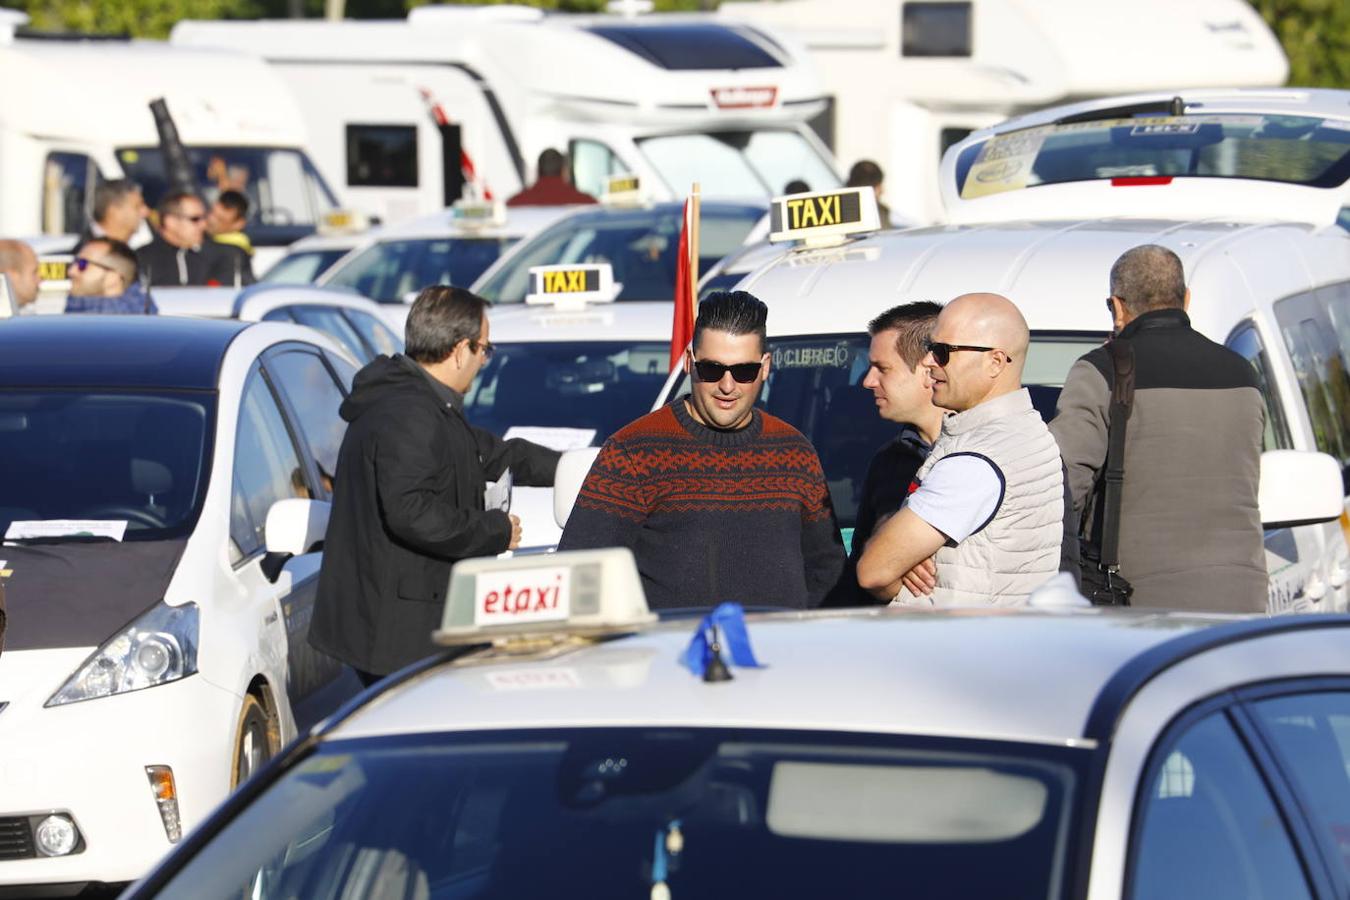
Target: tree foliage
[(1316, 38)]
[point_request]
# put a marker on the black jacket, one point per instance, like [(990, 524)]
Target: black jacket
[(407, 503), (164, 265)]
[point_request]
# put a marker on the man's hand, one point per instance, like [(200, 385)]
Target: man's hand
[(897, 549), (515, 532), (921, 579)]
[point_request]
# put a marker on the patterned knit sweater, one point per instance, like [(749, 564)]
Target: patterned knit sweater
[(713, 515)]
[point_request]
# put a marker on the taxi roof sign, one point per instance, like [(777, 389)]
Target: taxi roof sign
[(622, 189), (478, 213), (824, 218), (579, 592), (342, 221), (573, 286)]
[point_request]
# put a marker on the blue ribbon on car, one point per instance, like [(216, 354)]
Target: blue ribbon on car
[(735, 640)]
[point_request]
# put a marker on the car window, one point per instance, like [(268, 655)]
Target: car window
[(68, 181), (302, 267), (389, 270), (1208, 826), (377, 335), (345, 370), (1320, 361), (1312, 733), (315, 397), (266, 467), (592, 163), (1246, 341), (330, 321)]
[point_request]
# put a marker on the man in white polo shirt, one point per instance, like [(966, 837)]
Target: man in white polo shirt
[(988, 504)]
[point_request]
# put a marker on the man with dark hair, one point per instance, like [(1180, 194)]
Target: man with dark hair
[(225, 223), (119, 210), (898, 380), (551, 187), (104, 278), (408, 498), (866, 173), (179, 254), (1190, 529), (717, 500)]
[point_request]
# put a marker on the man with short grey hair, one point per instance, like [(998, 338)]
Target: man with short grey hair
[(1190, 531)]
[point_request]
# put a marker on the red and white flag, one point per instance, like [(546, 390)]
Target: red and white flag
[(686, 281)]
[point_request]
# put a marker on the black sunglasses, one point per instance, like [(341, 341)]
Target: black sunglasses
[(708, 371), (942, 353)]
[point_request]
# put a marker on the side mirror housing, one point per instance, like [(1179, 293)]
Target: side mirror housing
[(1299, 488), (294, 527), (573, 467)]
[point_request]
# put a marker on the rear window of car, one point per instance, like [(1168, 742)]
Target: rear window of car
[(1300, 150)]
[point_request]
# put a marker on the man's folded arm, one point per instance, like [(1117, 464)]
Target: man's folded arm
[(902, 542)]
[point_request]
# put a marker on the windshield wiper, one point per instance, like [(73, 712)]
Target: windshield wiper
[(1174, 107)]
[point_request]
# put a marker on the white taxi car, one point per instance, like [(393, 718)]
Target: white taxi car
[(1245, 187), (163, 500), (572, 748)]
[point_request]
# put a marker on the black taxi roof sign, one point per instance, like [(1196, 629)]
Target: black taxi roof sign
[(574, 285), (573, 592), (824, 218)]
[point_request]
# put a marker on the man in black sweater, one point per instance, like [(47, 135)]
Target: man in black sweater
[(180, 254), (719, 501)]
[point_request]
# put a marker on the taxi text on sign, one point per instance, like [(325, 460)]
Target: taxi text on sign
[(522, 596), (827, 214), (568, 281)]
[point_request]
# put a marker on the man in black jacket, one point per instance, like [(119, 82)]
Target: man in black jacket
[(408, 498), (180, 254)]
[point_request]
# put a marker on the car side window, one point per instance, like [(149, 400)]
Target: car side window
[(346, 372), (592, 163), (1208, 825), (1246, 342), (70, 179), (1311, 732), (266, 468), (315, 396), (328, 320), (376, 333), (1320, 362)]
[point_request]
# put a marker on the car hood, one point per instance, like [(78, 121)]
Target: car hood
[(78, 594)]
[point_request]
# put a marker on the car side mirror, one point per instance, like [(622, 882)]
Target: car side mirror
[(573, 467), (294, 527), (1299, 488)]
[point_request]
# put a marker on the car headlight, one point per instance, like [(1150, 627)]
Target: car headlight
[(159, 647)]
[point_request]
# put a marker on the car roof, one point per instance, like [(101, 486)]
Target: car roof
[(1019, 675), (521, 221), (594, 323), (114, 351), (258, 300)]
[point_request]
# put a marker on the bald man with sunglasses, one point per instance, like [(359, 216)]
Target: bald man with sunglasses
[(718, 500), (983, 524)]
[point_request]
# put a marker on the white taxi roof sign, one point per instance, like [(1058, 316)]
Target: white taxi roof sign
[(624, 188), (342, 221), (478, 213), (578, 592), (574, 285), (823, 218)]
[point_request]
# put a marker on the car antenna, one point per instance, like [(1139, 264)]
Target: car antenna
[(716, 669), (1178, 107)]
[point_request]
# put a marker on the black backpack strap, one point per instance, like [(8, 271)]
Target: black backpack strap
[(1122, 399)]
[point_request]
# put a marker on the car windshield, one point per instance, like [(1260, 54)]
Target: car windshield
[(735, 164), (389, 271), (596, 387), (1288, 149), (287, 196), (641, 244), (303, 267), (815, 385), (138, 458), (612, 813)]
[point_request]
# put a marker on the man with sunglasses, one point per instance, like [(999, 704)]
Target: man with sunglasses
[(104, 279), (988, 503), (179, 253), (717, 499), (408, 494)]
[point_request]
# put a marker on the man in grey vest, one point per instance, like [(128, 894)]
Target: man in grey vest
[(1190, 530), (988, 504)]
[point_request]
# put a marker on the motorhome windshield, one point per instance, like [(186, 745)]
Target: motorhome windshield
[(1298, 150), (754, 164), (284, 189)]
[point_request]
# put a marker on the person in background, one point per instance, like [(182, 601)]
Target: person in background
[(225, 223), (119, 212), (551, 187), (104, 279), (20, 264), (180, 255), (796, 186), (866, 173)]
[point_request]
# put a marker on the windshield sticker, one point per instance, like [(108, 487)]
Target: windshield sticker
[(839, 357), (58, 528), (1004, 163), (560, 439), (1165, 128)]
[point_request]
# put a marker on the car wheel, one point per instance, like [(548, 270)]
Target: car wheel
[(253, 741)]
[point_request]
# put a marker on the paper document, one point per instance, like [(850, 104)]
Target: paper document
[(560, 439), (49, 528), (498, 493)]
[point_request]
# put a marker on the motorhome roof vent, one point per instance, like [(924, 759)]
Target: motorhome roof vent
[(690, 46), (451, 14)]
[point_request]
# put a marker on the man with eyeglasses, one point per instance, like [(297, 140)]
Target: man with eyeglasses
[(988, 504), (104, 279), (718, 500), (1190, 529), (408, 494), (179, 253)]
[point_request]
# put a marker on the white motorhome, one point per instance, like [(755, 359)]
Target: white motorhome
[(82, 114), (415, 111), (909, 78)]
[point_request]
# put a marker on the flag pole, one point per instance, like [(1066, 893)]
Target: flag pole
[(695, 212)]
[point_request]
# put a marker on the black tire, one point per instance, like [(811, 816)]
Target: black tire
[(252, 742)]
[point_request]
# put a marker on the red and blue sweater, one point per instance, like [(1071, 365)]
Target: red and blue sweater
[(713, 515)]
